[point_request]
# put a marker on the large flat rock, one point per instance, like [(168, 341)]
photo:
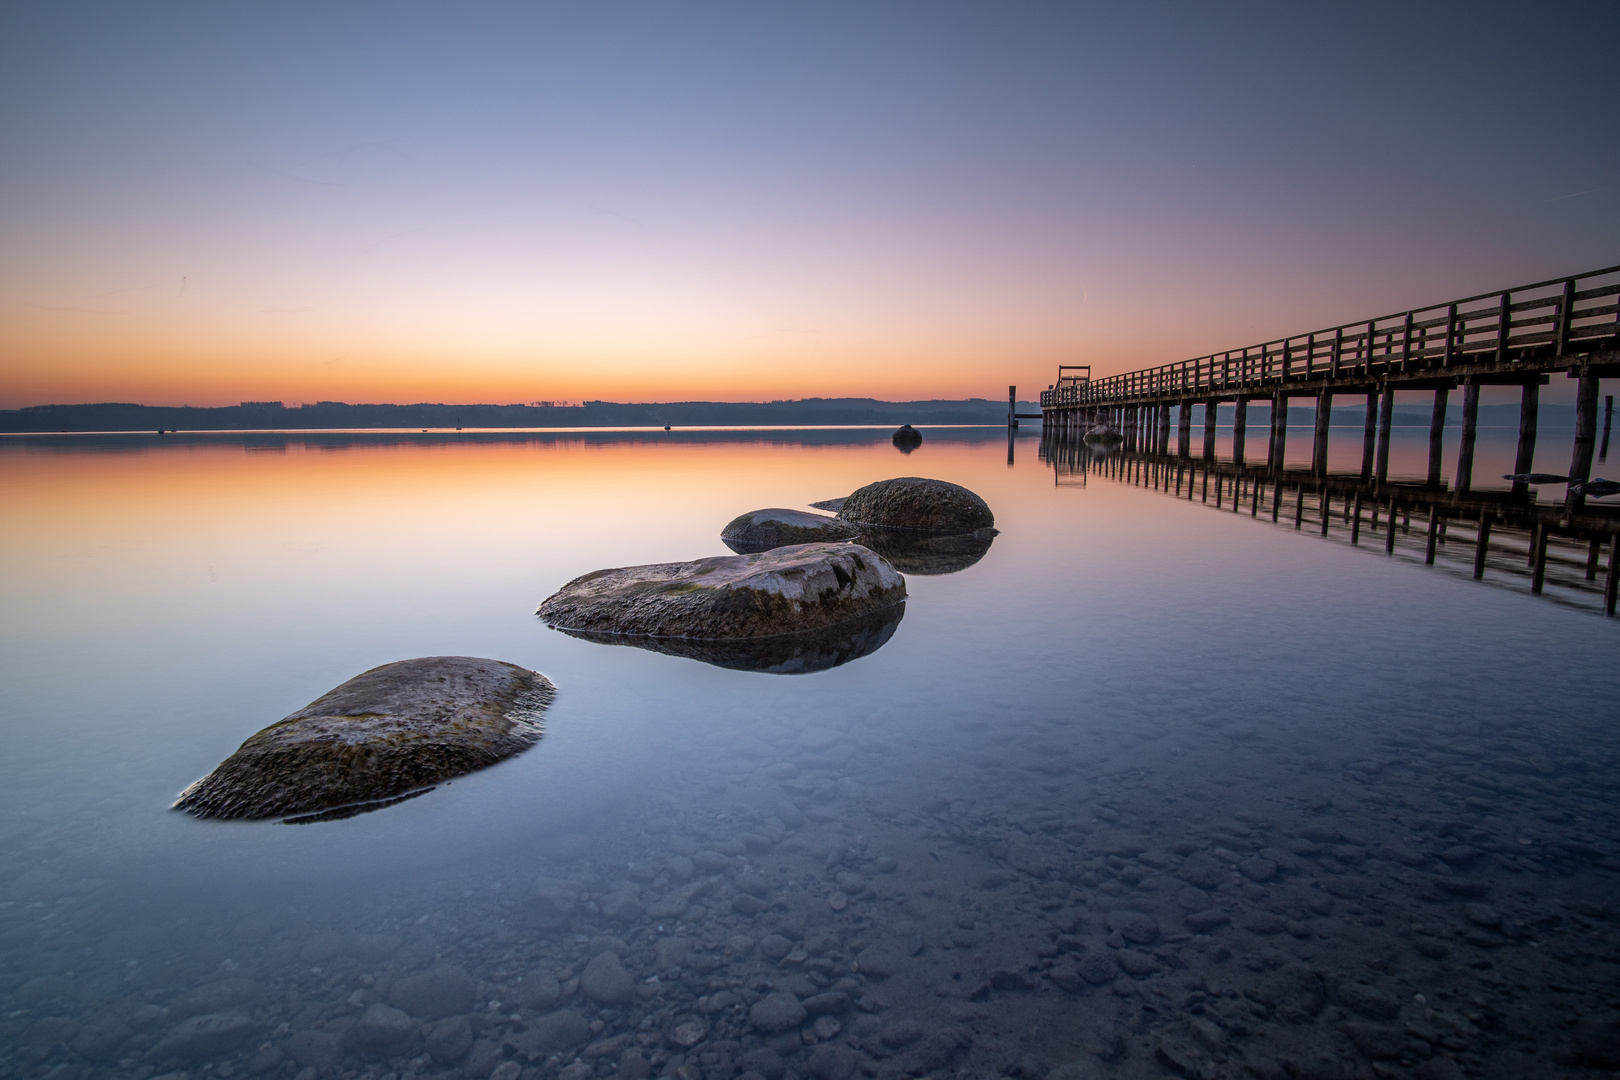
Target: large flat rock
[(762, 530), (913, 502), (391, 732), (789, 590)]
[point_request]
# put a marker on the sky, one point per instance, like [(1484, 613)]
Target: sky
[(204, 203)]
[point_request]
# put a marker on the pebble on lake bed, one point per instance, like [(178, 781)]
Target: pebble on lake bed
[(384, 735)]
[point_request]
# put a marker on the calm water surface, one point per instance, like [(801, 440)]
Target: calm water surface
[(1145, 791)]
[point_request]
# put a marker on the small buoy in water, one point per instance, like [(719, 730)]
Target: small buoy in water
[(666, 427)]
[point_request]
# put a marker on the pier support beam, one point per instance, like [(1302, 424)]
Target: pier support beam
[(1465, 453), (1319, 444), (1279, 431), (1240, 426), (1529, 406), (1386, 417), (1184, 430), (1580, 462), (1608, 417), (1211, 407), (1369, 436), (1437, 435)]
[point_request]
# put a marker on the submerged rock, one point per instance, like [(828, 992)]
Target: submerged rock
[(911, 502), (780, 654), (386, 735), (762, 530), (929, 553), (790, 590)]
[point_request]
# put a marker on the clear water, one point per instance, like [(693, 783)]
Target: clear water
[(1147, 789)]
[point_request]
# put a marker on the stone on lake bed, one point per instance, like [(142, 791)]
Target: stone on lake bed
[(798, 589), (762, 530), (912, 502), (383, 736)]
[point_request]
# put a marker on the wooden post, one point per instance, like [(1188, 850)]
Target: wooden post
[(1539, 575), (1529, 406), (1437, 435), (1482, 544), (1386, 416), (1389, 530), (1240, 425), (1204, 495), (1369, 436), (1254, 511), (1355, 522), (1324, 509), (1465, 454), (1184, 428), (1580, 462), (1012, 406), (1434, 534), (1319, 445), (1211, 410), (1608, 417), (1611, 586), (1594, 548), (1530, 556), (1279, 431), (1299, 506), (1276, 499)]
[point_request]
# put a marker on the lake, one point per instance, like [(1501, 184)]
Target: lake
[(1145, 790)]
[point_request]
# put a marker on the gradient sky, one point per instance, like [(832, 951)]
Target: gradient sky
[(205, 203)]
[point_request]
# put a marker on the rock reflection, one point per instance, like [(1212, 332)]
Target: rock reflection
[(785, 654), (929, 554)]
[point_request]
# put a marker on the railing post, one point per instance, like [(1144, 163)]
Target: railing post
[(1504, 326), (1406, 341), (1338, 347), (1451, 335), (1310, 355), (1564, 316), (1372, 334)]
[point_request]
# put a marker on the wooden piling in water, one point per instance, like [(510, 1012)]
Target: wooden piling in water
[(1355, 522), (1369, 435), (1433, 537), (1319, 443), (1580, 462), (1611, 585), (1323, 510), (1211, 411), (1529, 407), (1389, 530), (1465, 452), (1594, 548), (1386, 416), (1539, 562), (1437, 435), (1240, 426), (1299, 506)]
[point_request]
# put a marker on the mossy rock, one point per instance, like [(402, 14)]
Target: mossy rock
[(386, 735), (789, 590)]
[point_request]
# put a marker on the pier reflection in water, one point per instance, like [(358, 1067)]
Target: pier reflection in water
[(1505, 537)]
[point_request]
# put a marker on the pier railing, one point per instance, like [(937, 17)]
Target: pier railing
[(1539, 323)]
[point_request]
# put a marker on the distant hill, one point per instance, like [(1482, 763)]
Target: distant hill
[(260, 415)]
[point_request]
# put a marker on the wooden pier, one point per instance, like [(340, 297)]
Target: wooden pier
[(1515, 337)]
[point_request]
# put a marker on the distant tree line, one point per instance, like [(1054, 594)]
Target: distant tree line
[(252, 415)]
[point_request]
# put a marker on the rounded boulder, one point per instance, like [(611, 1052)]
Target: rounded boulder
[(763, 530), (789, 590), (912, 502)]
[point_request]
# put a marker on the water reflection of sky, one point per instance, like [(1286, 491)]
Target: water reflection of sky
[(163, 604)]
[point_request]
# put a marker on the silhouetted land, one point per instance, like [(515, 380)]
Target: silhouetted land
[(337, 414)]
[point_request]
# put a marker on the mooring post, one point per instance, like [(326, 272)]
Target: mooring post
[(1434, 535), (1211, 411), (1594, 548), (1580, 461), (1389, 530), (1437, 435), (1299, 506), (1324, 509), (1386, 416), (1319, 443), (1279, 431), (1465, 453), (1012, 406), (1482, 544), (1254, 511), (1355, 522), (1529, 407), (1369, 436), (1164, 427), (1240, 425)]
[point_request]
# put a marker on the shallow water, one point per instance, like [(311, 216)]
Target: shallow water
[(1143, 790)]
